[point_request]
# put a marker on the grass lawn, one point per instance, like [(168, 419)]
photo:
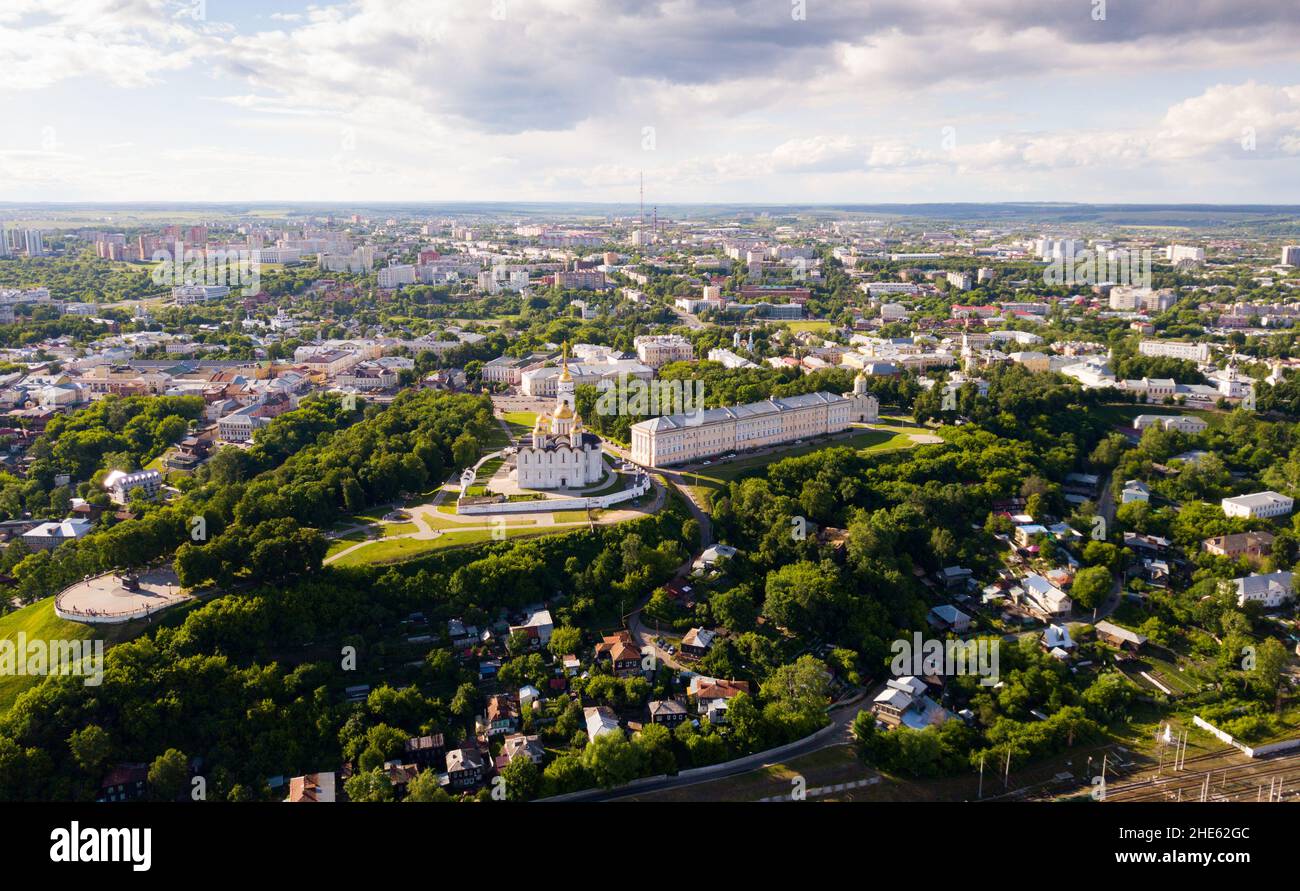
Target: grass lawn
[(570, 516), (391, 529), (811, 325), (519, 422), (423, 497), (439, 523), (39, 622), (488, 469), (718, 476), (399, 549)]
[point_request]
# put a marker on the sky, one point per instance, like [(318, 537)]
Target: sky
[(764, 101)]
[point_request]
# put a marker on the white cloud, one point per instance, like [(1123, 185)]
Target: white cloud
[(128, 43)]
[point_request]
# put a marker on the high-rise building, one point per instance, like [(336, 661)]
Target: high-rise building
[(1291, 255), (34, 245), (1181, 253)]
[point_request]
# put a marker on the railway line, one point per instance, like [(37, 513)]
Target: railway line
[(1277, 777)]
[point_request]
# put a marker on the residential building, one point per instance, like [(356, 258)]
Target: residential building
[(581, 280), (538, 625), (1044, 597), (1057, 637), (502, 715), (696, 642), (1116, 636), (622, 652), (48, 536), (1134, 490), (1176, 349), (669, 712), (948, 618), (1123, 298), (142, 483), (312, 787), (425, 751), (600, 720), (711, 696), (124, 782), (1181, 253), (904, 700), (464, 768), (1259, 505), (391, 277), (1241, 544), (1189, 424), (1269, 590), (660, 349), (517, 745)]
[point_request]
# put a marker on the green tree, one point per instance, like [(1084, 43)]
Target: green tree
[(1091, 586), (169, 775), (370, 785), (564, 641), (611, 760), (465, 450), (424, 787), (90, 747), (523, 779)]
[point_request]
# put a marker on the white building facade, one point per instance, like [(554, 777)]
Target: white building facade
[(560, 454), (679, 438)]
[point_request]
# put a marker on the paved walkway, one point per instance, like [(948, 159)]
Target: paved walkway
[(104, 597)]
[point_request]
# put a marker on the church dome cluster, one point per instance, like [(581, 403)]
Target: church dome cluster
[(560, 454)]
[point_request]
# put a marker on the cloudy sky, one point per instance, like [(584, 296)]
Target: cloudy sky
[(714, 100)]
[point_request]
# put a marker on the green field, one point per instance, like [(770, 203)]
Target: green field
[(718, 476), (808, 326), (399, 549), (440, 523), (520, 422), (571, 516), (40, 623), (488, 468)]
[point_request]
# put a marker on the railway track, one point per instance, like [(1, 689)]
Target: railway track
[(1248, 781)]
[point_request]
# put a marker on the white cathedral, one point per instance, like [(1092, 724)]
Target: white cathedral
[(561, 455)]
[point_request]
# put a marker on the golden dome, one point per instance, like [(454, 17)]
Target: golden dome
[(564, 411), (564, 363)]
